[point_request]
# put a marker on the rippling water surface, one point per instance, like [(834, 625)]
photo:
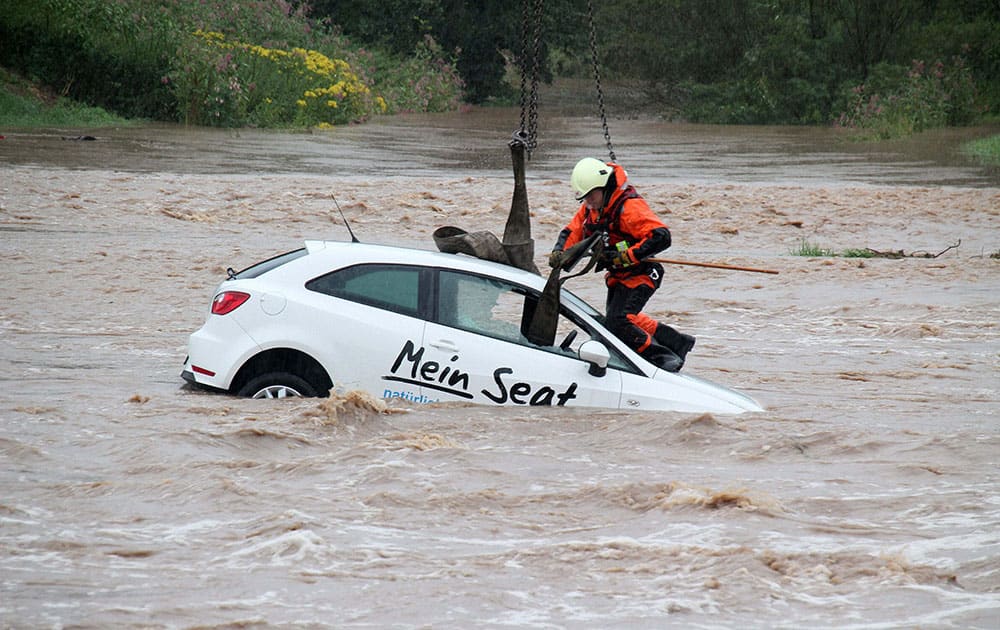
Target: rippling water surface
[(866, 496)]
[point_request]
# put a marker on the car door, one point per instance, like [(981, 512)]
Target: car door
[(474, 350), (362, 317)]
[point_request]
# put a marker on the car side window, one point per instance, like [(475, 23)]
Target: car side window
[(391, 287), (481, 305), (570, 335), (501, 310)]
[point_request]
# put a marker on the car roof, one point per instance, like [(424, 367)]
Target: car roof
[(347, 252)]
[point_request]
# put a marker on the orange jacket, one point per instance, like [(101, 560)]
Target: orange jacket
[(635, 223)]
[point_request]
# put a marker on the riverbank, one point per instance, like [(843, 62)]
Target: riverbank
[(986, 150), (28, 105)]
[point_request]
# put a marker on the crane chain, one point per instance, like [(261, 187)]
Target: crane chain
[(531, 22), (597, 80)]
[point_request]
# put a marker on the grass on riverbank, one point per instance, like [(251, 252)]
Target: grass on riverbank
[(985, 150), (24, 105), (811, 250)]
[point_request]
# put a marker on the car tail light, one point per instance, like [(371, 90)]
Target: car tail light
[(201, 370), (228, 301)]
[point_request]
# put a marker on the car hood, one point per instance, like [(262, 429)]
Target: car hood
[(692, 393)]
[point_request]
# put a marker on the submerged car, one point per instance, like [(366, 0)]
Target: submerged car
[(424, 327)]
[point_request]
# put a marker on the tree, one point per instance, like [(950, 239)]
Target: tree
[(477, 32), (872, 28), (482, 33), (744, 60)]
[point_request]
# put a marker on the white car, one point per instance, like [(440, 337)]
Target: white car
[(424, 327)]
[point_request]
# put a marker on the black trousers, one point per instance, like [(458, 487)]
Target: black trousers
[(622, 302)]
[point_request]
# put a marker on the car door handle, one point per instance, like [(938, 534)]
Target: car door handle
[(445, 345)]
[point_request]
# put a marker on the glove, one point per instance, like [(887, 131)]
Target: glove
[(620, 259), (556, 258)]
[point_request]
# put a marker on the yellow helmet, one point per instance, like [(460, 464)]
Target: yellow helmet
[(588, 174)]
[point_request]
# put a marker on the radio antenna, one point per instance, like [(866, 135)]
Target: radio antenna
[(354, 239)]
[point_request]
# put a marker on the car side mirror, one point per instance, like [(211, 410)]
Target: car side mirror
[(596, 354)]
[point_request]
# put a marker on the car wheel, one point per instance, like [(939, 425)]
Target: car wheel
[(277, 385)]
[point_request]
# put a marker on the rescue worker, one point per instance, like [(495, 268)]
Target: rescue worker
[(610, 204)]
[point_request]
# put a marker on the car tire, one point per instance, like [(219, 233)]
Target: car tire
[(277, 385)]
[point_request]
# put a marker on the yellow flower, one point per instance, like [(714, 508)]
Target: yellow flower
[(331, 103), (324, 125), (300, 103), (210, 35)]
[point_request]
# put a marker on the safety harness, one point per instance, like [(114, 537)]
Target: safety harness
[(610, 220)]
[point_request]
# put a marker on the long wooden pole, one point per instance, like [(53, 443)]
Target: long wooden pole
[(668, 261)]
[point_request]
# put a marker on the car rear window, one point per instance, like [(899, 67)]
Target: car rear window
[(390, 287), (270, 264)]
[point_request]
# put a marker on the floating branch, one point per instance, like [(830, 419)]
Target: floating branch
[(901, 254)]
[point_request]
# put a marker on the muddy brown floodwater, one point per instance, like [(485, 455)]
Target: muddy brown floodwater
[(865, 496)]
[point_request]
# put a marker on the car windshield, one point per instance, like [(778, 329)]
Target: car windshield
[(571, 298)]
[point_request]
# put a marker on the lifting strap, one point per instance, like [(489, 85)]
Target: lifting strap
[(517, 247), (517, 244)]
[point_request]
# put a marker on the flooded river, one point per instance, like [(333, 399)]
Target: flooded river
[(867, 495)]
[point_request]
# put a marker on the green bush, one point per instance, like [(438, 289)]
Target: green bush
[(986, 150), (220, 82), (784, 78), (755, 101), (216, 62), (426, 81), (93, 51), (897, 102)]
